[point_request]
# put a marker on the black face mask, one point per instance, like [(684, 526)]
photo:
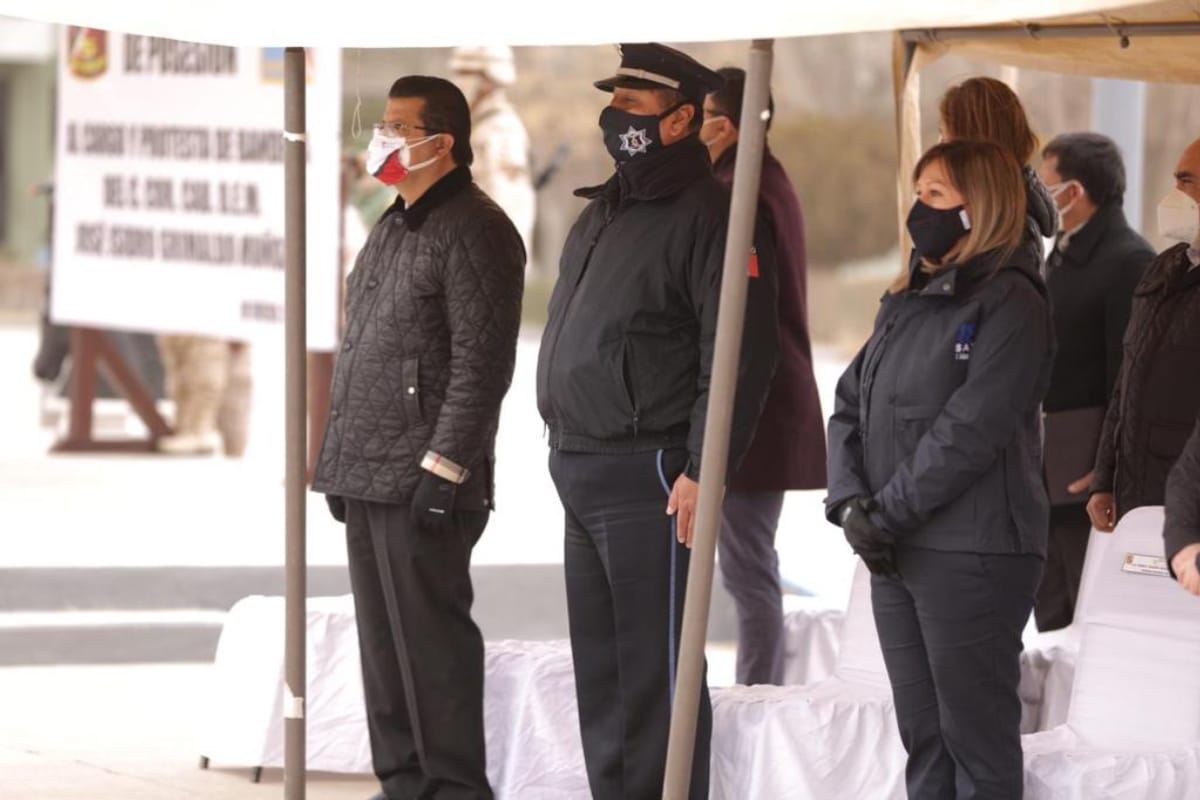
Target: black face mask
[(628, 135), (935, 231)]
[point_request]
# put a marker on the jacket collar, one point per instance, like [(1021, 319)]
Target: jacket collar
[(947, 281), (1175, 274), (656, 175), (1083, 242), (448, 186)]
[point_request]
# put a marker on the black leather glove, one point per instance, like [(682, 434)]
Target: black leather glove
[(433, 502), (875, 546), (337, 506)]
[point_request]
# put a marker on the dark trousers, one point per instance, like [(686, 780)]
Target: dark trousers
[(422, 654), (626, 574), (750, 568), (950, 627), (1070, 529)]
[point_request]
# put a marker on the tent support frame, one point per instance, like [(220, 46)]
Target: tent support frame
[(715, 453), (1123, 32)]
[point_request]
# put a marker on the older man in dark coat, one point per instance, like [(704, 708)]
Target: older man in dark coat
[(788, 449), (1091, 274)]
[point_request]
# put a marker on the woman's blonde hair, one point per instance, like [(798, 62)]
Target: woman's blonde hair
[(986, 110), (993, 189)]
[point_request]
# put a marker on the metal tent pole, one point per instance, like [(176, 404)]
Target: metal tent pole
[(730, 317), (294, 165)]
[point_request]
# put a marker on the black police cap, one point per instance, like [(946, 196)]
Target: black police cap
[(656, 66)]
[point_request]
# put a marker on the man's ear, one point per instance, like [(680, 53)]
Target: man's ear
[(679, 123), (445, 144)]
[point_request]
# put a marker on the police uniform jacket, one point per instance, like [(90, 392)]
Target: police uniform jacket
[(626, 356), (938, 417)]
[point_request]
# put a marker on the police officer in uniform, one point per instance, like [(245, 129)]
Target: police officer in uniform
[(623, 376)]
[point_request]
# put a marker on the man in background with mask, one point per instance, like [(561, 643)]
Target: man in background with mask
[(498, 136), (1091, 273), (433, 307), (623, 377), (1157, 396), (788, 450)]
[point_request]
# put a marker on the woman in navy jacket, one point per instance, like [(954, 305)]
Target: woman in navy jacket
[(935, 470)]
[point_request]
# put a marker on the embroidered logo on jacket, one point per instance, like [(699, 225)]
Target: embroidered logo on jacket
[(964, 342)]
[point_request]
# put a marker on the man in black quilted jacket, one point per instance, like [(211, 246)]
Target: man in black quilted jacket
[(623, 377), (433, 309)]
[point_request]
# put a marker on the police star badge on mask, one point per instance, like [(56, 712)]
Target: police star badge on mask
[(634, 141)]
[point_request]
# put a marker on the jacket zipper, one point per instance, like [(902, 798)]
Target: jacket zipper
[(587, 260)]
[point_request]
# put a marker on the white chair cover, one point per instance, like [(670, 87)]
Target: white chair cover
[(1133, 728), (833, 739), (811, 632), (530, 716), (1048, 662)]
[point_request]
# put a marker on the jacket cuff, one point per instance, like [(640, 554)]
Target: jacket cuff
[(834, 506), (444, 468), (895, 521), (693, 469)]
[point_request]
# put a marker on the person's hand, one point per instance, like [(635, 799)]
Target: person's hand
[(682, 503), (875, 546), (433, 502), (1080, 486), (1185, 568), (1102, 509)]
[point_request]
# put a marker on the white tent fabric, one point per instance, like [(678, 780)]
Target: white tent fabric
[(1133, 729), (528, 22), (244, 723)]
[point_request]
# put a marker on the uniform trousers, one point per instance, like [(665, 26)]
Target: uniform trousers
[(950, 627), (626, 574)]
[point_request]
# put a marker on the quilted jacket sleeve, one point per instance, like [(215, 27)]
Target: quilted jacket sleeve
[(483, 281)]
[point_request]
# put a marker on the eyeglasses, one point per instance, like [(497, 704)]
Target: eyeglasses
[(396, 128)]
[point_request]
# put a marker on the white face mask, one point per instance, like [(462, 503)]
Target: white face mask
[(1058, 189), (1179, 217), (703, 125), (389, 158)]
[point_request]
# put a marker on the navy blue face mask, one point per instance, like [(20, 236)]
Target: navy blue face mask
[(935, 231), (629, 135)]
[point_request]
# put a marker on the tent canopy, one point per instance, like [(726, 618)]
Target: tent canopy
[(1155, 42), (544, 22)]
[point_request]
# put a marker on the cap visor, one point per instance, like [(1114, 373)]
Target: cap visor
[(626, 82)]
